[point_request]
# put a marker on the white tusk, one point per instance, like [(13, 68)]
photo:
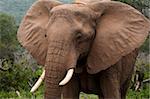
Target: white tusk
[(67, 78), (38, 83)]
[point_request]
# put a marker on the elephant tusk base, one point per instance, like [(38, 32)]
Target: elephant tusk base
[(38, 83), (67, 78)]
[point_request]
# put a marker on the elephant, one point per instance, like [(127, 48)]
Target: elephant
[(87, 46)]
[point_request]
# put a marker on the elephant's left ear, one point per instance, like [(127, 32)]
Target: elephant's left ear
[(120, 29)]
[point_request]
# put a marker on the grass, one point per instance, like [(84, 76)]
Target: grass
[(143, 94)]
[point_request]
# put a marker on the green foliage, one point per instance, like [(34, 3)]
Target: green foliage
[(144, 68), (8, 29), (15, 78), (145, 47), (18, 78), (143, 94), (23, 94), (88, 96), (19, 75), (8, 41)]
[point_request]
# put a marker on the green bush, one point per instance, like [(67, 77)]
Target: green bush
[(8, 29), (143, 94), (8, 41), (19, 75), (145, 47), (143, 67), (15, 78)]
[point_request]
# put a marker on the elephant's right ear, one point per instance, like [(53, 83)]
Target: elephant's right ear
[(31, 33)]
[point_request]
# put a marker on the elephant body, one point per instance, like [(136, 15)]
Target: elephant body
[(98, 39), (111, 83)]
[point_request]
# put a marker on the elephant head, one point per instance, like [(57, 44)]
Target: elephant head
[(62, 36)]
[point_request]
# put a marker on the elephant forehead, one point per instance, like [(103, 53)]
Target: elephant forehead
[(72, 9), (67, 6)]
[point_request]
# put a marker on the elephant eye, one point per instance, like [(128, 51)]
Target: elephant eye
[(80, 37), (45, 35)]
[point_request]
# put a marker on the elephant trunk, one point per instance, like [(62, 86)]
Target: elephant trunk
[(56, 67)]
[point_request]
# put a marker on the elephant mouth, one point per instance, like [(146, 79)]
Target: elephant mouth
[(82, 59), (79, 65)]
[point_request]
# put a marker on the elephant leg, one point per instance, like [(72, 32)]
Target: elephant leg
[(115, 81), (100, 95), (124, 88), (125, 85), (110, 90), (129, 63), (109, 85), (71, 90)]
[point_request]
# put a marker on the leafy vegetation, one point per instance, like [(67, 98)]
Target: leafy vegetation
[(143, 94), (145, 47), (15, 75), (8, 39)]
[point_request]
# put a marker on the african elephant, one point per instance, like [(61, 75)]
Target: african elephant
[(93, 42)]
